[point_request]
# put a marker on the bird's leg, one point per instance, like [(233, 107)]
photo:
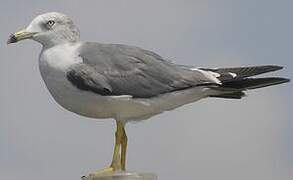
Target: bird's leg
[(123, 148), (116, 161)]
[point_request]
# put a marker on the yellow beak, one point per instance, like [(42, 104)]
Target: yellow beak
[(20, 35)]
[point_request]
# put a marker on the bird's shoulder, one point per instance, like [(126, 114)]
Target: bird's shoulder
[(118, 54)]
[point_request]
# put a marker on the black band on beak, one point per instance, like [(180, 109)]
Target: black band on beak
[(12, 39), (20, 35)]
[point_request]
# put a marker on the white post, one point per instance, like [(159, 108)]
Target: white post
[(122, 176)]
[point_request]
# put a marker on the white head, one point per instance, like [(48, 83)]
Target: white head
[(49, 29)]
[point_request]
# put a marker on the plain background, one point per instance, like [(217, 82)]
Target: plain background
[(210, 139)]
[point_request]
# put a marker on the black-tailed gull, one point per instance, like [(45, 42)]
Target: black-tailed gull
[(124, 82)]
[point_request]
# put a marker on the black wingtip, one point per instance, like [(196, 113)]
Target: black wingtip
[(254, 83), (279, 79), (275, 67), (286, 80)]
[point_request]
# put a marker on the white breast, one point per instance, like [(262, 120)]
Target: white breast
[(53, 64), (59, 57)]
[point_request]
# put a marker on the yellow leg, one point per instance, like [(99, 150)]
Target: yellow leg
[(116, 164), (123, 149), (116, 161)]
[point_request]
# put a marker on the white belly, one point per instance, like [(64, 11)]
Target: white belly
[(53, 70)]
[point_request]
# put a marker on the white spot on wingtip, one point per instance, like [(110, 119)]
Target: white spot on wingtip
[(233, 74), (215, 74), (209, 74)]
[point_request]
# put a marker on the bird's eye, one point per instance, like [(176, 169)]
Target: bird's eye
[(50, 23)]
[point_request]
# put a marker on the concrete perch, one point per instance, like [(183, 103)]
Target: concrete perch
[(122, 176)]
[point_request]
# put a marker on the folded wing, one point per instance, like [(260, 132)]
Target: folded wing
[(113, 70)]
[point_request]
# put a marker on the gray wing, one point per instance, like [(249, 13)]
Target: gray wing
[(112, 69)]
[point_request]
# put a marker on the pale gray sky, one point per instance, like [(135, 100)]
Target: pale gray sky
[(210, 139)]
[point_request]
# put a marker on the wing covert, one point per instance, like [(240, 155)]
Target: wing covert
[(111, 69)]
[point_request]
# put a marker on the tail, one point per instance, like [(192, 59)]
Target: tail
[(237, 80)]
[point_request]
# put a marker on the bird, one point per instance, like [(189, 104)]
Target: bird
[(126, 83)]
